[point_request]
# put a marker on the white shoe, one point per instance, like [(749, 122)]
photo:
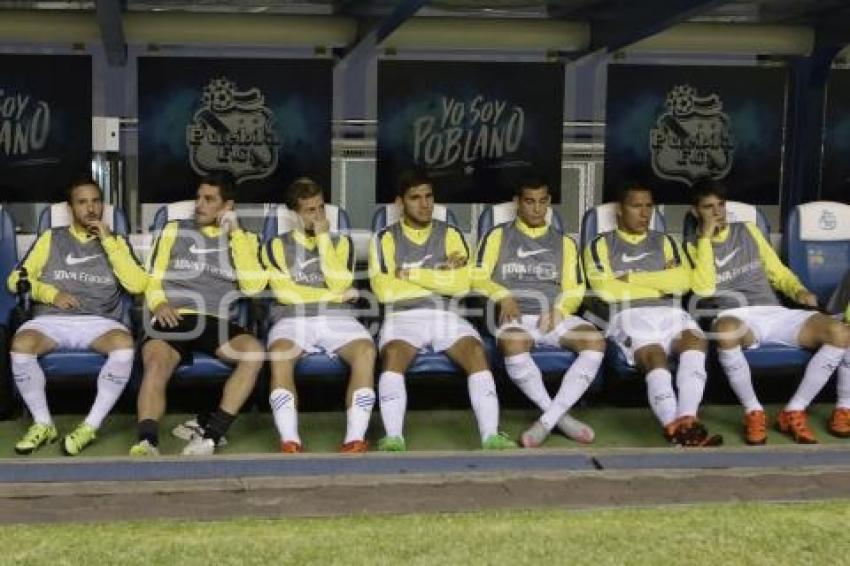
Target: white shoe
[(199, 447), (575, 429), (534, 436), (191, 430)]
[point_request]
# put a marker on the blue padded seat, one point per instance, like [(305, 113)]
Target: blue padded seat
[(548, 358), (63, 363), (765, 357), (603, 218), (424, 363), (735, 212), (817, 245), (496, 214), (59, 214), (386, 214), (8, 261), (204, 366), (596, 221), (280, 220)]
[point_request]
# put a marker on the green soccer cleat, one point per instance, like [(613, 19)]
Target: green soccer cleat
[(37, 436), (79, 438), (392, 444), (144, 448), (499, 441)]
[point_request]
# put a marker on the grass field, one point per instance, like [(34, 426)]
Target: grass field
[(774, 534), (425, 430)]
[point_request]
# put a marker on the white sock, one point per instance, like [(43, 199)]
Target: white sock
[(575, 382), (359, 413), (737, 371), (690, 382), (820, 368), (843, 387), (285, 414), (29, 378), (393, 397), (662, 398), (111, 381), (485, 404), (526, 375)]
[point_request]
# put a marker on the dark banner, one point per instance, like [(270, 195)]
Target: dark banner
[(45, 125), (835, 182), (476, 128), (667, 126), (265, 121)]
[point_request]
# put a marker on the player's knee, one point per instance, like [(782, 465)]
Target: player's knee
[(395, 351), (469, 354), (838, 335), (158, 358), (247, 344), (121, 340), (514, 343), (728, 332), (651, 357), (693, 341), (589, 338), (468, 346), (363, 349), (25, 343), (245, 350), (284, 350), (597, 343)]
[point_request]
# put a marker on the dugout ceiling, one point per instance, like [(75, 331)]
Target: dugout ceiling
[(583, 25)]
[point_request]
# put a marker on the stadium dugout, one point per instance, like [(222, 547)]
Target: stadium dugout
[(803, 213)]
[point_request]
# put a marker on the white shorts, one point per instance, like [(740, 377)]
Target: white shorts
[(528, 323), (772, 324), (72, 332), (632, 329), (321, 333), (426, 329)]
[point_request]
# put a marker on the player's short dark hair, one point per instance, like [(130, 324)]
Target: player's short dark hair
[(224, 181), (531, 182), (412, 178), (301, 188), (706, 187), (630, 186), (81, 182)]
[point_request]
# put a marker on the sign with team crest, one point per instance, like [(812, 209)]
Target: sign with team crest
[(668, 126), (45, 125), (835, 179), (264, 121), (476, 129), (233, 130), (692, 137)]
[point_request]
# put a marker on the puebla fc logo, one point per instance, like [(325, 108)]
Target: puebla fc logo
[(692, 139), (233, 131)]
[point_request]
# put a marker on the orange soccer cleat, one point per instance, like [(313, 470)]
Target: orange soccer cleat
[(354, 447), (755, 426), (290, 447), (796, 424)]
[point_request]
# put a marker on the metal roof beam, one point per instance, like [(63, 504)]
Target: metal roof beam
[(378, 32), (112, 30), (632, 21)]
